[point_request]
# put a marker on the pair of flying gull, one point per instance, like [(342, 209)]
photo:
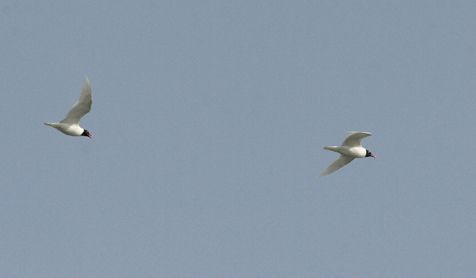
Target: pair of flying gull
[(351, 147)]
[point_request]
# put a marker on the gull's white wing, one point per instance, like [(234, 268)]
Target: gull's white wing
[(336, 165), (81, 107), (353, 140)]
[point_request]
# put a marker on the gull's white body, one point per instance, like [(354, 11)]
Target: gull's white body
[(68, 129), (355, 152), (351, 148), (70, 124)]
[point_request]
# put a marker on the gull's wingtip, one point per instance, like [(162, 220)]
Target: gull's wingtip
[(364, 132), (325, 173), (86, 84)]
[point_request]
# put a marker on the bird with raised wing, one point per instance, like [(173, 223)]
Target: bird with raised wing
[(351, 148), (70, 124)]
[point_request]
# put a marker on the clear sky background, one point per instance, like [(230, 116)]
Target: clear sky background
[(208, 123)]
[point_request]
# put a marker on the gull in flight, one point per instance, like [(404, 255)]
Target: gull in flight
[(351, 148), (70, 124)]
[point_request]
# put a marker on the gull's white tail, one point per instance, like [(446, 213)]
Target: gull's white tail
[(332, 148)]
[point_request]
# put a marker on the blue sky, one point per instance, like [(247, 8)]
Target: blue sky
[(208, 123)]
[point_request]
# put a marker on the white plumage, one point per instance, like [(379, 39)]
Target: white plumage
[(351, 148), (70, 124)]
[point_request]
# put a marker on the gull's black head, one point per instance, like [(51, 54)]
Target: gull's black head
[(369, 154), (86, 133)]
